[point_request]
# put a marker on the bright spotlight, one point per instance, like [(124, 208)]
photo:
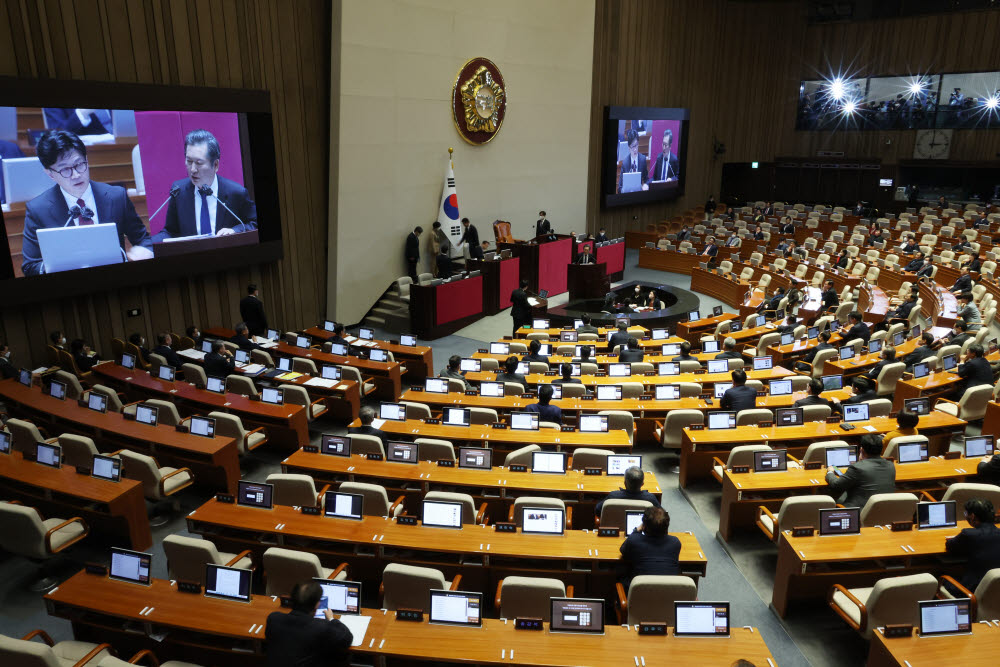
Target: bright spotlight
[(992, 102), (915, 89), (850, 107), (837, 89)]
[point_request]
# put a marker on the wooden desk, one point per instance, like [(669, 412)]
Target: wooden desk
[(940, 303), (704, 379), (974, 649), (693, 331), (864, 362), (742, 494), (727, 290), (419, 360), (231, 634), (935, 385), (387, 376), (498, 487), (286, 425), (669, 260), (214, 461), (808, 566), (698, 448), (553, 333), (479, 553), (117, 508)]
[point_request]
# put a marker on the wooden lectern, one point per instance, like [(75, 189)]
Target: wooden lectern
[(587, 281)]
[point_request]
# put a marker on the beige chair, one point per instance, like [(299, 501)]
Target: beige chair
[(158, 484), (408, 586), (741, 455), (26, 653), (304, 366), (469, 513), (230, 426), (166, 412), (192, 373), (239, 384), (815, 451), (588, 457), (816, 413), (417, 410), (299, 396), (74, 390), (188, 556), (366, 444), (613, 512), (632, 389), (261, 357), (528, 597), (432, 449), (753, 416), (354, 375), (483, 416), (114, 400), (879, 407), (573, 390), (985, 600), (455, 385), (971, 407), (890, 448), (672, 429), (283, 568), (23, 532), (888, 377), (794, 511), (516, 515), (890, 601), (376, 499), (651, 598), (882, 509), (296, 490), (521, 456), (24, 436), (960, 492), (620, 420), (77, 450)]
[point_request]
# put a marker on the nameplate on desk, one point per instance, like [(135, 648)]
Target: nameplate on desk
[(471, 392), (518, 467), (528, 395), (586, 397), (528, 624), (446, 463), (371, 456), (551, 373), (409, 615), (803, 531), (765, 424), (406, 520), (650, 373), (567, 429), (498, 425), (952, 455), (593, 471), (898, 630), (700, 371), (432, 421), (505, 527), (311, 449), (225, 498), (311, 509), (740, 470), (82, 402), (697, 427), (96, 568), (610, 531), (128, 416), (761, 394), (182, 428), (652, 628), (705, 397), (600, 374), (188, 587), (416, 389), (199, 385), (483, 350), (646, 397), (833, 420), (83, 470), (812, 465), (901, 526)]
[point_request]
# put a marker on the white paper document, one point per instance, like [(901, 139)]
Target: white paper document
[(358, 625), (320, 382)]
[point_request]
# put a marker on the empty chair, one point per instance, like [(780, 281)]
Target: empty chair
[(408, 586), (963, 491), (416, 410), (650, 598), (261, 357), (741, 455), (77, 450), (74, 390), (469, 513), (882, 509), (295, 490), (816, 413), (353, 374), (166, 412), (70, 653), (985, 600), (304, 366), (632, 389), (890, 600), (638, 368), (676, 421), (620, 420), (376, 500), (192, 373), (283, 568), (432, 449), (230, 426), (239, 384), (25, 435), (403, 287), (114, 401), (971, 407), (753, 416), (879, 407), (188, 556), (158, 484), (794, 511), (613, 511), (483, 416), (516, 513), (528, 597), (890, 447), (299, 396), (24, 532), (888, 377), (521, 456), (587, 457)]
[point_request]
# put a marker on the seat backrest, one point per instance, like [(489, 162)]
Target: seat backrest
[(74, 390), (22, 531), (972, 405), (23, 435), (293, 490), (20, 653), (879, 407), (239, 384), (540, 502), (305, 366), (894, 600), (588, 457), (890, 448), (802, 511), (815, 413), (753, 416), (366, 444), (613, 511), (528, 597), (166, 412), (521, 456), (432, 449), (194, 373), (408, 586), (295, 394), (468, 504), (376, 500), (483, 415), (742, 455), (884, 508), (889, 376), (675, 423), (77, 450), (143, 469), (619, 420), (988, 596), (283, 568), (651, 597), (114, 403), (416, 410), (963, 491), (228, 425)]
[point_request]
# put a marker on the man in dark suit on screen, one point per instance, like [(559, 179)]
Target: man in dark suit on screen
[(252, 311), (634, 161), (666, 167), (78, 121), (206, 204), (64, 158)]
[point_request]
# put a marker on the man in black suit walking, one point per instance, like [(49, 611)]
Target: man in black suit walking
[(520, 309), (471, 236), (252, 311), (412, 251)]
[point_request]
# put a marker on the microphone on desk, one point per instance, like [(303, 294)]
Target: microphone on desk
[(206, 191), (74, 213), (174, 191)]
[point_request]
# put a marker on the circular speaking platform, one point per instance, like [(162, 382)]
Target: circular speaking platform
[(677, 303)]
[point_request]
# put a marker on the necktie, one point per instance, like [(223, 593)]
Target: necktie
[(206, 222), (83, 206)]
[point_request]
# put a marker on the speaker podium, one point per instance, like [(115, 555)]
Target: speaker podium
[(587, 281)]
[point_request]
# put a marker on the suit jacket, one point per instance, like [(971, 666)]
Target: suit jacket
[(180, 211), (711, 250), (296, 638), (768, 210), (540, 358), (219, 365), (975, 371), (859, 330), (618, 338), (586, 258), (542, 226), (454, 375), (963, 283), (877, 368), (683, 234), (49, 210), (471, 236), (625, 494), (520, 309), (601, 238), (588, 328), (981, 546), (66, 119), (925, 272), (7, 369), (642, 554), (958, 339), (739, 398), (630, 356), (917, 354), (252, 312), (830, 298), (862, 480), (671, 170), (989, 471), (627, 169), (369, 430), (245, 343), (412, 248), (728, 355), (904, 310), (168, 353), (546, 413), (975, 264), (811, 354), (812, 400), (444, 265), (869, 395)]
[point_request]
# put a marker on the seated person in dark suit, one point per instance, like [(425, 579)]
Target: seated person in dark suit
[(729, 349), (710, 250), (788, 227), (194, 333), (164, 341), (772, 304), (64, 158), (888, 356), (242, 338), (7, 369), (830, 297), (974, 372), (824, 344), (651, 549), (585, 355), (870, 475), (902, 312), (814, 398), (195, 211), (789, 326), (685, 354), (963, 283), (781, 250), (926, 349), (841, 259), (510, 374), (739, 396), (988, 469), (84, 357), (587, 326), (219, 362), (534, 349), (926, 270), (634, 478), (911, 246), (297, 638), (444, 263), (338, 336), (864, 390), (856, 328), (601, 236), (139, 341), (366, 416), (546, 411), (915, 264), (975, 263), (619, 337), (959, 334), (632, 353), (758, 233), (453, 369), (566, 371), (979, 544)]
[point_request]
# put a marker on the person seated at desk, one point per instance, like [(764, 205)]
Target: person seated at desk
[(634, 478), (164, 343), (958, 334), (242, 338), (601, 237), (794, 295), (974, 263), (988, 469), (906, 424), (139, 341), (856, 328), (774, 301), (979, 544), (685, 354), (587, 326), (453, 369), (7, 369), (961, 244), (974, 372), (684, 234), (298, 638), (650, 549), (814, 398), (84, 357), (901, 312), (510, 374), (963, 283), (926, 269), (566, 371), (733, 241), (911, 246), (863, 390), (366, 416), (886, 356), (787, 226), (781, 250), (871, 474), (652, 300), (633, 351), (635, 298), (338, 336), (585, 256), (546, 411), (841, 260), (534, 353), (219, 362), (789, 325), (619, 337), (711, 250), (824, 344), (739, 396), (829, 296), (969, 312), (585, 355), (926, 349), (758, 233), (982, 221), (874, 237), (194, 333), (729, 349), (443, 263)]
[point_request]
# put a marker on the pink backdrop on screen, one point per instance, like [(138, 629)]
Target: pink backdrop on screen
[(656, 139), (510, 279), (552, 260), (161, 149)]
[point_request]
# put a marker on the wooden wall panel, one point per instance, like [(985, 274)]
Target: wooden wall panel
[(275, 45)]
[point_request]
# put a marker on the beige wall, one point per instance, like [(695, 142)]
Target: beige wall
[(398, 62)]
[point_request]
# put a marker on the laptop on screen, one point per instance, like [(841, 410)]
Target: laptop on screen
[(623, 319), (840, 521), (619, 463), (203, 426), (523, 368), (402, 452), (255, 494), (335, 445), (936, 515), (550, 462), (721, 420), (718, 366), (945, 617), (228, 583), (131, 566), (701, 619), (789, 417), (542, 520), (770, 461), (668, 392), (457, 417), (441, 514), (79, 247), (97, 402), (273, 335), (340, 597), (524, 421), (577, 323), (392, 411), (593, 423), (106, 467), (978, 446), (456, 608), (343, 505), (476, 458), (577, 615), (856, 412), (840, 457), (762, 363)]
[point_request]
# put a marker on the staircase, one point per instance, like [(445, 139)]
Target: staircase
[(390, 313)]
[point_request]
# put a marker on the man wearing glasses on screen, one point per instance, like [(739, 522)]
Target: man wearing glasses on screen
[(64, 157), (206, 204)]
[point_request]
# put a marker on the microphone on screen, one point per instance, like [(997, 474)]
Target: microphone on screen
[(74, 213), (206, 191), (174, 191)]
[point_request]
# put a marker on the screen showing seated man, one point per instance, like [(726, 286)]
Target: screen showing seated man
[(456, 608), (229, 583), (131, 566), (577, 615), (340, 597)]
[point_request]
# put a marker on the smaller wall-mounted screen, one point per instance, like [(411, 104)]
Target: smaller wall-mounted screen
[(645, 152)]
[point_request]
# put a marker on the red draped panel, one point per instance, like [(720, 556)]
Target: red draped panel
[(510, 278), (459, 299), (613, 255), (552, 260)]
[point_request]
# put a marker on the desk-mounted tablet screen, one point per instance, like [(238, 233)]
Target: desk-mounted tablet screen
[(4, 442), (272, 395), (609, 392), (846, 352), (331, 372), (787, 338), (670, 349), (470, 365), (874, 346), (780, 387), (441, 514), (701, 619), (978, 446), (456, 608), (242, 357), (593, 423), (366, 333), (668, 368), (949, 362), (623, 319), (543, 520), (568, 336), (668, 392), (577, 323), (301, 341), (166, 373), (499, 348), (556, 391), (285, 363), (721, 420), (343, 505), (788, 417), (840, 457), (619, 370), (254, 494), (477, 458), (659, 334), (812, 333), (56, 389), (551, 462), (936, 515), (24, 377), (945, 617), (146, 414), (539, 324), (409, 340), (694, 316), (106, 467), (379, 355), (915, 331), (273, 334), (131, 566), (832, 382), (718, 366), (329, 326), (203, 426), (911, 452), (335, 445), (710, 346), (575, 369), (921, 371), (402, 452), (97, 402), (633, 519), (856, 412), (206, 346), (392, 411), (761, 321), (50, 455), (898, 338), (721, 388), (524, 421), (216, 385), (577, 615), (762, 363), (919, 406), (128, 360), (340, 597), (840, 521), (457, 417), (228, 583), (491, 389), (619, 463), (338, 349), (775, 460), (716, 311)]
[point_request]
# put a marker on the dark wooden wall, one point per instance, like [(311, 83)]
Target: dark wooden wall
[(281, 46), (737, 66)]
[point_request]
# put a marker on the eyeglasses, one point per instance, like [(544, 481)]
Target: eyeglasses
[(80, 167)]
